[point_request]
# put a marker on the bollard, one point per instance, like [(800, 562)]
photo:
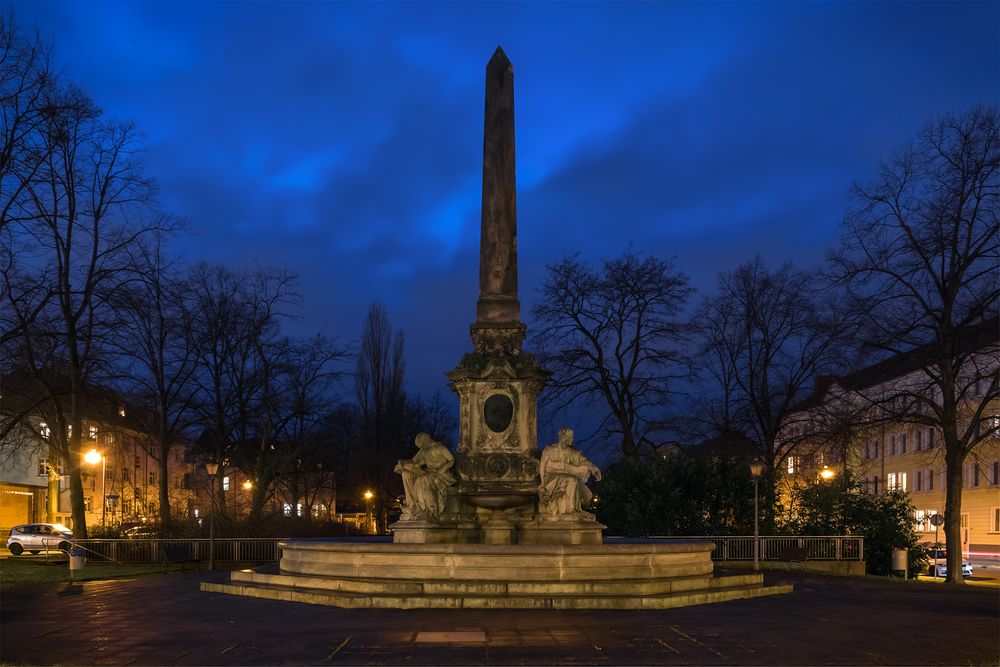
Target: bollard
[(77, 559), (900, 561)]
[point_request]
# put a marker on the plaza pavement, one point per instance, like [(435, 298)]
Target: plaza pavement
[(166, 620)]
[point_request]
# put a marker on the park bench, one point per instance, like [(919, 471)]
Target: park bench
[(176, 553), (791, 555)]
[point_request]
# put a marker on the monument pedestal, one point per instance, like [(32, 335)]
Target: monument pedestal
[(561, 530)]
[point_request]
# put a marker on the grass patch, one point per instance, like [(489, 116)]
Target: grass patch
[(35, 569)]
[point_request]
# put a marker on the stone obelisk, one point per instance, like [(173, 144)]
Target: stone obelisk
[(498, 302), (497, 383)]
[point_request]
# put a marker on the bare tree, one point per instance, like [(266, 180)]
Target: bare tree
[(85, 204), (235, 334), (764, 336), (381, 406), (158, 355), (612, 337), (919, 259)]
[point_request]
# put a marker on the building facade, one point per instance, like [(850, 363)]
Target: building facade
[(874, 425)]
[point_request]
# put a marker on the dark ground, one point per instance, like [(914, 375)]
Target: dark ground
[(166, 620)]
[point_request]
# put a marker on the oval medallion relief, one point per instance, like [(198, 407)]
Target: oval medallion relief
[(498, 412)]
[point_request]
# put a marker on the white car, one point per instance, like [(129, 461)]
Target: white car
[(939, 564), (38, 537)]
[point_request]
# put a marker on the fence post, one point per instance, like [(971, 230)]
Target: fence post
[(838, 547)]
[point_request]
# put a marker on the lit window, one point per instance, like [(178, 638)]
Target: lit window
[(793, 464), (298, 509), (93, 432), (225, 483), (896, 481), (286, 509), (43, 430), (197, 512)]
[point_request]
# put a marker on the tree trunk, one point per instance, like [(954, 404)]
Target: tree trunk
[(953, 515), (164, 487)]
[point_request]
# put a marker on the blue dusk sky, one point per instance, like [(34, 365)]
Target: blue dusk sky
[(344, 140)]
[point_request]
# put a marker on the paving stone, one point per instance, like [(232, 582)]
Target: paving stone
[(828, 620)]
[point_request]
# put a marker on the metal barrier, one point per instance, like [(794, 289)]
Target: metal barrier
[(820, 547), (226, 549)]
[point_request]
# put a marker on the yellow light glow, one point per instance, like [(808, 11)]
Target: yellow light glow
[(248, 485), (826, 473), (93, 457), (369, 495)]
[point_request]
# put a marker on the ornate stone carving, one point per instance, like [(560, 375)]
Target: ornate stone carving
[(426, 478), (497, 341), (564, 472)]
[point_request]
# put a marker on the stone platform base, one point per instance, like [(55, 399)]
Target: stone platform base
[(619, 576)]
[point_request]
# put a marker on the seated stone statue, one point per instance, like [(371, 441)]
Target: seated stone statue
[(564, 472), (426, 478)]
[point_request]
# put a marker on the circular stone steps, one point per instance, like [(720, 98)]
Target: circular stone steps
[(385, 575)]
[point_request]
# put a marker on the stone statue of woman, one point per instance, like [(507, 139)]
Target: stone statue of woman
[(426, 478)]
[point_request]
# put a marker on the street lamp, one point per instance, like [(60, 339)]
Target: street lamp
[(756, 470), (368, 507), (247, 485), (92, 457), (211, 469), (826, 473)]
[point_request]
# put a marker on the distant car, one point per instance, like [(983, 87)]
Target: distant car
[(939, 564), (140, 532), (38, 537)]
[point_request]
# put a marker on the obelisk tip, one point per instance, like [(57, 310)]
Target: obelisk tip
[(499, 58)]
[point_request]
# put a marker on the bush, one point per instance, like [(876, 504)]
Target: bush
[(678, 495), (839, 507)]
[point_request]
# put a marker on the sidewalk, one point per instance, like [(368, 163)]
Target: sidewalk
[(166, 620)]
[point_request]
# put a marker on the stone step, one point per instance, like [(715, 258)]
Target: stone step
[(399, 586), (712, 594)]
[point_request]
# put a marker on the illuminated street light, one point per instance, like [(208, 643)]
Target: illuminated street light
[(247, 485), (92, 457), (756, 470), (368, 496), (826, 473)]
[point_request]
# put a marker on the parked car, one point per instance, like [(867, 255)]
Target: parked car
[(939, 564), (38, 537), (139, 532)]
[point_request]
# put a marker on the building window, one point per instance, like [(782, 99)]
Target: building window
[(286, 509), (152, 478), (125, 474), (92, 432), (996, 473), (793, 464), (43, 430), (896, 481), (225, 483), (922, 521), (974, 476), (137, 462), (902, 443), (918, 483), (995, 519), (892, 445), (930, 438)]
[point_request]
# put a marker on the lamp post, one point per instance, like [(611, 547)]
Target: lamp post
[(756, 469), (92, 457), (368, 508), (211, 469)]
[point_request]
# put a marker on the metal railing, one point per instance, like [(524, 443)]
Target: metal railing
[(822, 547), (225, 550)]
